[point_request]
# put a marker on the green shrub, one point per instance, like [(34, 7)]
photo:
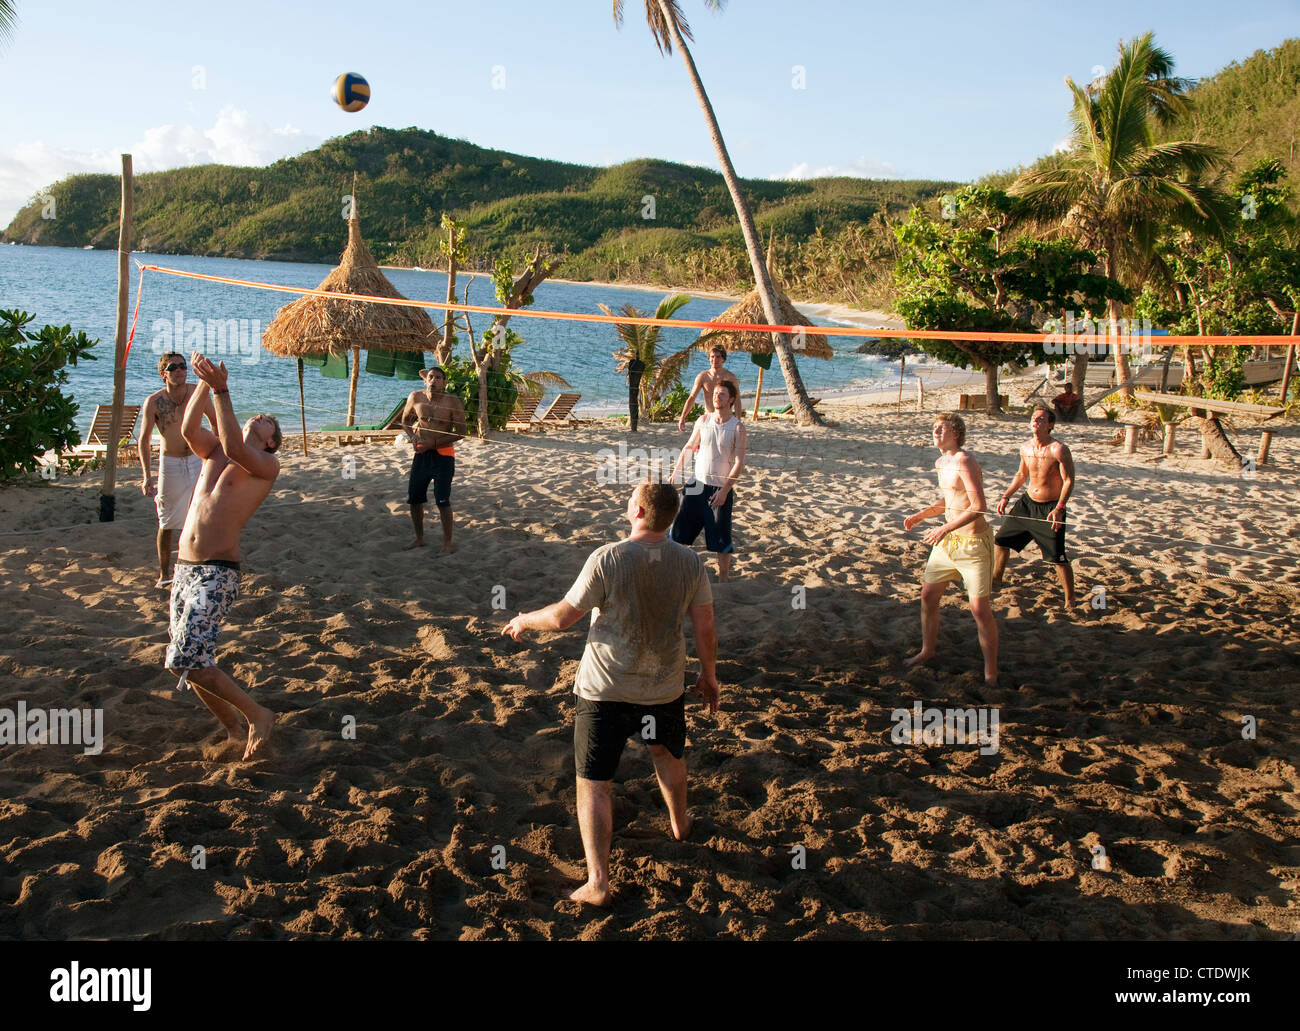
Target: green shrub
[(34, 413), (462, 381)]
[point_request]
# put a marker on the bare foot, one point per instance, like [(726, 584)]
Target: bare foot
[(258, 732), (691, 817), (996, 584), (991, 680), (919, 658), (235, 733), (163, 583), (447, 549), (592, 895), (417, 543)]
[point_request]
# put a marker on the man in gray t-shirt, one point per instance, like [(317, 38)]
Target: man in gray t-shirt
[(633, 672)]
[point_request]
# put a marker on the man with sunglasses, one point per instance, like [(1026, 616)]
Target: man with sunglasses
[(178, 466)]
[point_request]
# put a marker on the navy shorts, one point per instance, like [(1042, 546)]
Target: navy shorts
[(430, 466), (696, 515), (601, 729)]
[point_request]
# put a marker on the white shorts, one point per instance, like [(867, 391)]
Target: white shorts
[(177, 478)]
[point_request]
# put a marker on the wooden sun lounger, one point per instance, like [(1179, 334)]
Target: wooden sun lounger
[(560, 412), (388, 429), (101, 427), (524, 417)]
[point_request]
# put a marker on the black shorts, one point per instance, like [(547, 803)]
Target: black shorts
[(1029, 520), (696, 514), (601, 729), (426, 466)]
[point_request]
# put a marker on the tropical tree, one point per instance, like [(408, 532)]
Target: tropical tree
[(8, 18), (964, 273), (669, 28), (1116, 189), (662, 371)]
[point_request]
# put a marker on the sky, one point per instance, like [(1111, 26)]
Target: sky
[(943, 89)]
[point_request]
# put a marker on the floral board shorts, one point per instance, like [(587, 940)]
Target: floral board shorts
[(202, 594), (967, 557)]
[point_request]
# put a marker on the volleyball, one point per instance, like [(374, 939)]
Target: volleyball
[(351, 91)]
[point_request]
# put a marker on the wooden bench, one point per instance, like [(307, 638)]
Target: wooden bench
[(971, 402), (1210, 405)]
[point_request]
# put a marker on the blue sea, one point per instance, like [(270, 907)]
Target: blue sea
[(79, 288)]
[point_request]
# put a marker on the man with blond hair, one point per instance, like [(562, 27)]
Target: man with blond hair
[(632, 676), (965, 556)]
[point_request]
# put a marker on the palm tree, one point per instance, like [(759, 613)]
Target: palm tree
[(669, 28), (8, 19), (1117, 188), (661, 372)]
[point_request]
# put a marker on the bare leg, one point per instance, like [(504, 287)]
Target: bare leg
[(596, 820), (417, 517), (1065, 573), (444, 513), (982, 610), (224, 711), (671, 772), (724, 567), (260, 719), (164, 555), (1000, 556), (930, 597)]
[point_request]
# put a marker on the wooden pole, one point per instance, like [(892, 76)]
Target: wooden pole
[(1264, 441), (1289, 368), (302, 407), (920, 395), (352, 387), (758, 397), (902, 364), (1130, 439), (107, 498)]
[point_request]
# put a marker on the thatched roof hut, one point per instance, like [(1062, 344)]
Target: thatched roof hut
[(750, 310), (314, 326)]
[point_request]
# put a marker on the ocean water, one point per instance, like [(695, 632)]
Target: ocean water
[(79, 288)]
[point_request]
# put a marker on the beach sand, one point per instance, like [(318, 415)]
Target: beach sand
[(450, 813)]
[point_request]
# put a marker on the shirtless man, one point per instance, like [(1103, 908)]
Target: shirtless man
[(957, 556), (707, 381), (1040, 513), (436, 420), (178, 466), (239, 467)]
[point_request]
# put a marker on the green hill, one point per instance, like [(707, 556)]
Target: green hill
[(292, 210)]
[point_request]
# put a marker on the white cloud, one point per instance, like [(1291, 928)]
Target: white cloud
[(1061, 146), (234, 139), (864, 168)]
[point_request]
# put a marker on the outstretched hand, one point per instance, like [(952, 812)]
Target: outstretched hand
[(935, 535), (213, 375), (515, 628)]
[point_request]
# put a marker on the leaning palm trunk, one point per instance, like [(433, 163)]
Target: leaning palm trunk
[(803, 409), (1216, 441)]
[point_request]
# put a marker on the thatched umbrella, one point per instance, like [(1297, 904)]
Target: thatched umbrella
[(325, 325), (750, 310)]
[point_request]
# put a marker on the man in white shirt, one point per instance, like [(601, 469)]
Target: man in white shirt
[(632, 676), (718, 443)]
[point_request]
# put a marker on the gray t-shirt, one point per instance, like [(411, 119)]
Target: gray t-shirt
[(638, 594)]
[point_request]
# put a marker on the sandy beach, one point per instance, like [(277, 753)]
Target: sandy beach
[(449, 814)]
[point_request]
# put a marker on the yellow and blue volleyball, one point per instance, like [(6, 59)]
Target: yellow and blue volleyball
[(351, 91)]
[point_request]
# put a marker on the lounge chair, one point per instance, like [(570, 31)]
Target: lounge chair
[(101, 428), (389, 429), (524, 417), (560, 413)]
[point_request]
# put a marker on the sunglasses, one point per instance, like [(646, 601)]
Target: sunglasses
[(175, 365)]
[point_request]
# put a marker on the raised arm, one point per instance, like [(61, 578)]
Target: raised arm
[(706, 646), (262, 464), (202, 442)]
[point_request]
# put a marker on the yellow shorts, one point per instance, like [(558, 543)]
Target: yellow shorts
[(966, 557)]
